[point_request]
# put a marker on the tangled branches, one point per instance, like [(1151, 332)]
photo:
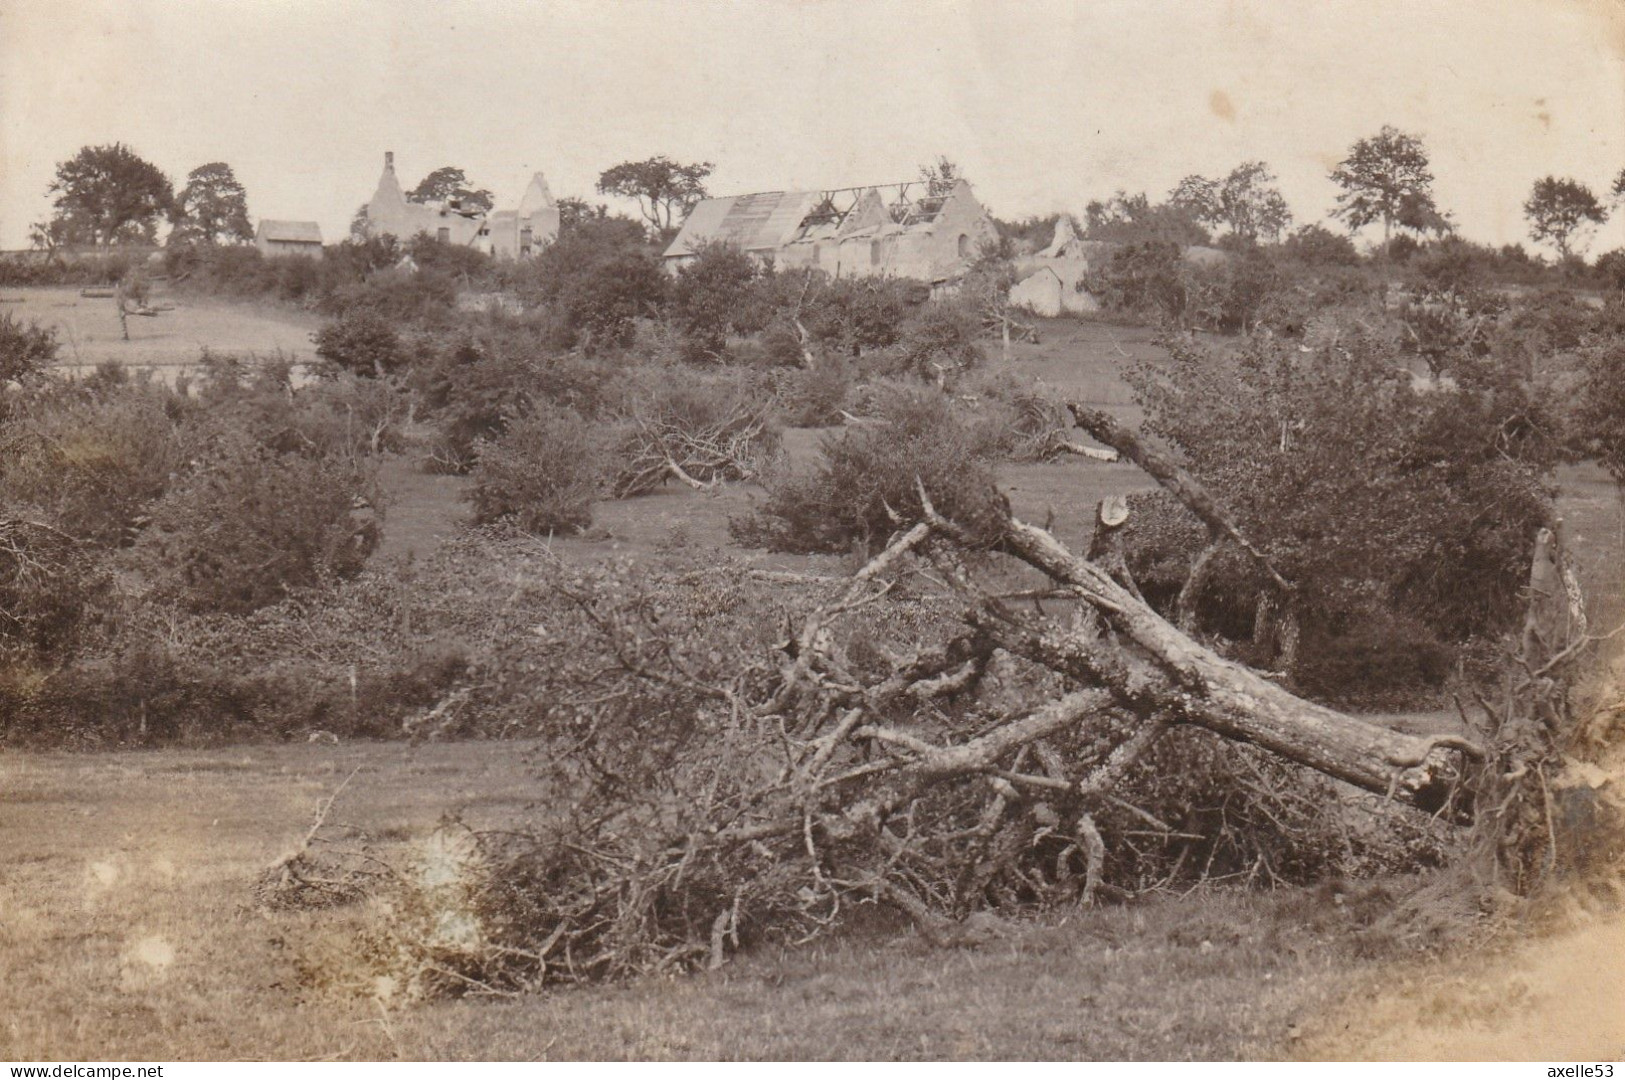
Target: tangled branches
[(45, 577), (915, 738), (680, 439)]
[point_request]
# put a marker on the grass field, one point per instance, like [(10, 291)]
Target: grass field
[(88, 330), (129, 928)]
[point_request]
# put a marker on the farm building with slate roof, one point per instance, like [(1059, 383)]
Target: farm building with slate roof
[(276, 237), (899, 230)]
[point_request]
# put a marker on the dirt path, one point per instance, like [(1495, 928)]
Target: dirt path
[(1555, 993), (1557, 998)]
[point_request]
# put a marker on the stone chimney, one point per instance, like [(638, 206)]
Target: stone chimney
[(389, 161)]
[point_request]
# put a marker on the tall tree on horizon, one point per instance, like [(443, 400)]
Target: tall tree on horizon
[(1559, 211), (109, 195), (1387, 178), (664, 190), (447, 184), (1247, 202), (212, 208)]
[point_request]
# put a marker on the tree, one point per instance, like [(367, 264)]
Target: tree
[(1246, 202), (1390, 507), (665, 191), (574, 212), (1617, 191), (47, 236), (1599, 420), (940, 176), (24, 350), (211, 208), (1559, 209), (709, 295), (109, 195), (448, 184), (1386, 178), (1135, 219)]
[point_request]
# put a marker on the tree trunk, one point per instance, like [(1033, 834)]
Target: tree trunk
[(1195, 685)]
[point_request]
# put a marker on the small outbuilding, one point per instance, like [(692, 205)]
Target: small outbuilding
[(275, 237)]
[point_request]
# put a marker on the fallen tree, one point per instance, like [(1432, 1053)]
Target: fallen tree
[(700, 451), (707, 794)]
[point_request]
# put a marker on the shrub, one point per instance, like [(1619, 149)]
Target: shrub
[(1316, 245), (337, 415), (1146, 280), (47, 585), (361, 342), (1610, 270), (938, 343), (814, 397), (867, 474), (24, 350), (708, 297), (714, 429), (92, 457), (1370, 659), (474, 382), (596, 280), (543, 472), (1599, 427), (52, 268), (397, 295), (248, 525), (1365, 491), (852, 315), (1233, 296)]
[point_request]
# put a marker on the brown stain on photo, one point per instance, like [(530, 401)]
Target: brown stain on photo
[(1221, 106)]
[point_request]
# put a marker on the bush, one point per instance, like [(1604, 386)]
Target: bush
[(853, 315), (708, 297), (396, 295), (1146, 280), (361, 342), (543, 472), (1610, 270), (1371, 659), (1316, 245), (249, 525), (338, 415), (938, 343), (815, 397), (714, 428), (24, 350), (596, 281), (93, 457), (47, 586), (53, 268), (1368, 493), (476, 380), (867, 474)]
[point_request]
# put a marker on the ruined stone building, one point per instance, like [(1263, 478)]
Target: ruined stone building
[(899, 230), (1056, 280), (523, 232), (513, 233)]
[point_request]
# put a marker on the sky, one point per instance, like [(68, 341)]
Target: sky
[(1044, 104)]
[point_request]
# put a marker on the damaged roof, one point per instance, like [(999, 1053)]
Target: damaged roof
[(304, 232), (769, 220)]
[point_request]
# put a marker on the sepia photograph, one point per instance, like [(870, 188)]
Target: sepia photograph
[(801, 530)]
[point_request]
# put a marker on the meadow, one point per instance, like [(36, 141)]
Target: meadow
[(130, 925), (168, 343)]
